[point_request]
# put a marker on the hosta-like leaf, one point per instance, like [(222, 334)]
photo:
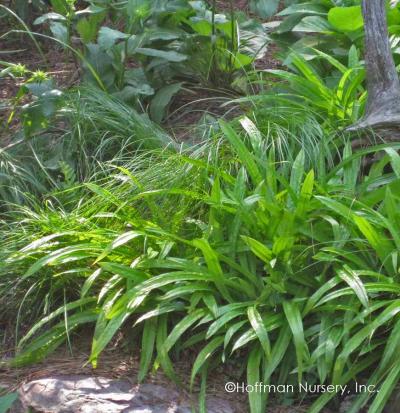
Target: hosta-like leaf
[(169, 55), (314, 24), (161, 101), (346, 19)]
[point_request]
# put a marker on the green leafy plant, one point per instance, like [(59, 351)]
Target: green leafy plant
[(282, 261), (36, 114), (337, 99), (160, 47), (306, 25), (65, 19), (7, 401), (275, 243), (333, 27)]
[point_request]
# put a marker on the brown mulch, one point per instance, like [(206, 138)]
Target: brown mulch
[(117, 363), (191, 105), (225, 5)]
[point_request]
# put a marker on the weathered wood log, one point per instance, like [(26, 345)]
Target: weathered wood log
[(383, 104)]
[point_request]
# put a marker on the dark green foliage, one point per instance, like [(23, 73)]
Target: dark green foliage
[(262, 255), (158, 46), (275, 241)]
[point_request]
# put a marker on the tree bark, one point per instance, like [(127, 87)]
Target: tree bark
[(383, 104)]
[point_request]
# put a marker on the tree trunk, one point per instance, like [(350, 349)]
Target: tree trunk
[(383, 104)]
